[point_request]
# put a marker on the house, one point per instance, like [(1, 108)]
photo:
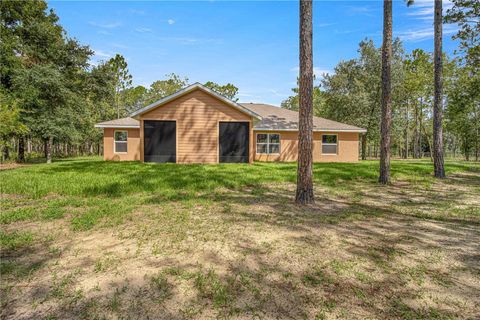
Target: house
[(197, 125)]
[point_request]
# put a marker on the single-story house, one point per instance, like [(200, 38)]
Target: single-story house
[(198, 125)]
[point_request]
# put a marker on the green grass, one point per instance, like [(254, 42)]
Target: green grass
[(15, 240), (91, 190), (95, 177)]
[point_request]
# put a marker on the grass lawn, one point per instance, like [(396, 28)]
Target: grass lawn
[(84, 238)]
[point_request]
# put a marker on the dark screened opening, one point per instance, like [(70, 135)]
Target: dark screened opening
[(234, 141), (160, 140)]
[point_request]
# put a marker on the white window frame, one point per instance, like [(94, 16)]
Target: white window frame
[(268, 143), (329, 144), (115, 141)]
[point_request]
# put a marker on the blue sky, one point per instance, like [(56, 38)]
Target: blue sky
[(252, 44)]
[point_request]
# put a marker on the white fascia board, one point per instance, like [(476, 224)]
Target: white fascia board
[(122, 126)]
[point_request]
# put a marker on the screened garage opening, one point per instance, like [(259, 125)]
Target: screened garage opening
[(160, 141), (234, 142)]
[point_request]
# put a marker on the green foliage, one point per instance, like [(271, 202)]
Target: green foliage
[(10, 124), (466, 13), (463, 111), (352, 94), (122, 81), (162, 88), (228, 91)]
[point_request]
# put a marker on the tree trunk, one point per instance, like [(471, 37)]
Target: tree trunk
[(48, 149), (416, 135), (21, 149), (405, 155), (304, 194), (5, 153), (364, 146), (428, 142), (438, 162), (385, 128)]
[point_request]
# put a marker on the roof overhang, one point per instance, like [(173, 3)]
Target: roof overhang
[(119, 126), (314, 130), (189, 89)]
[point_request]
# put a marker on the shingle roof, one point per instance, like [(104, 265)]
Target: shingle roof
[(276, 118), (273, 118), (119, 123)]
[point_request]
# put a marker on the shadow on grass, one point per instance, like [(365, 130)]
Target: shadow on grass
[(254, 282), (119, 179)]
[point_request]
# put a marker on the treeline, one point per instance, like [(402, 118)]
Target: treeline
[(51, 94), (352, 93)]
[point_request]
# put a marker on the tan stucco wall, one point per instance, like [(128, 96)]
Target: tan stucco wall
[(347, 150), (197, 115), (133, 145)]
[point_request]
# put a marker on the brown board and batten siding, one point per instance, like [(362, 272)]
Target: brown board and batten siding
[(197, 115), (347, 147)]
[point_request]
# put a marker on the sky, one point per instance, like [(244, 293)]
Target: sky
[(251, 44)]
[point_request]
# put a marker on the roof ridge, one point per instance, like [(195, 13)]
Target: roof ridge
[(189, 88)]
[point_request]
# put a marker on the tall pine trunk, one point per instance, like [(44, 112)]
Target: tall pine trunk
[(364, 146), (385, 128), (416, 134), (304, 194), (405, 154), (438, 162), (21, 149), (5, 153), (48, 149)]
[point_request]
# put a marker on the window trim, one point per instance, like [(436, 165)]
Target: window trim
[(115, 142), (329, 144), (268, 143)]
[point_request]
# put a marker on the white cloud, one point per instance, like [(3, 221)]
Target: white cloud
[(415, 35), (102, 54), (319, 72), (424, 9), (170, 21), (110, 25), (143, 30)]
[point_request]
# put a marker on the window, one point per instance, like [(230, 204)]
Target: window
[(120, 145), (268, 143), (329, 144)]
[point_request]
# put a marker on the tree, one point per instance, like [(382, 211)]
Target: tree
[(10, 124), (304, 194), (123, 80), (162, 88), (462, 114), (418, 85), (134, 98), (466, 13), (292, 103), (385, 127), (438, 162), (229, 91)]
